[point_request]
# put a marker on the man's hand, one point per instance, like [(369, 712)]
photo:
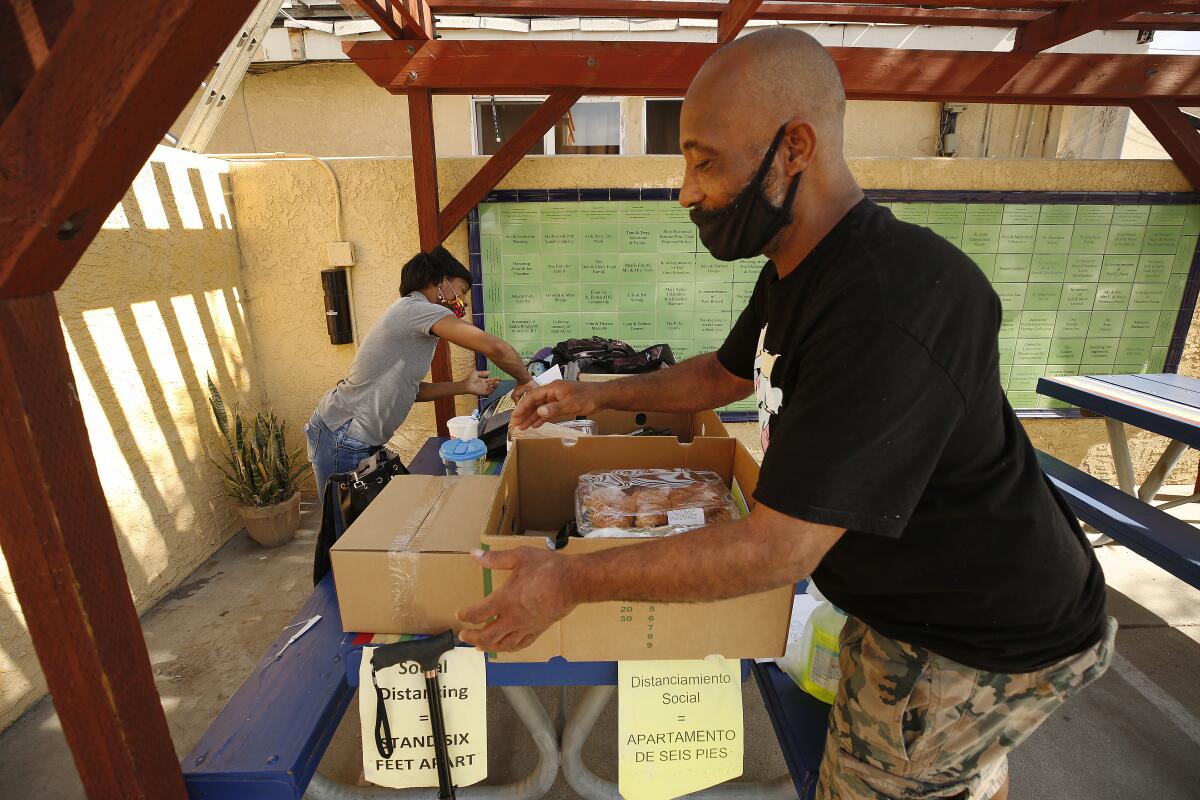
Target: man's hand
[(532, 599), (558, 399), (478, 383)]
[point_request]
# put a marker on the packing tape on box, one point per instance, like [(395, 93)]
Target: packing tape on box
[(403, 568), (404, 549)]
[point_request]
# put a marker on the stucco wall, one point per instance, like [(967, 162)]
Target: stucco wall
[(285, 216), (151, 309), (329, 109)]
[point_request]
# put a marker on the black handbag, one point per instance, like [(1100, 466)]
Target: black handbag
[(346, 496), (612, 356)]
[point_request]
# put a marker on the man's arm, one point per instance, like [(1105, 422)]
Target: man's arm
[(697, 384), (763, 551), (500, 352)]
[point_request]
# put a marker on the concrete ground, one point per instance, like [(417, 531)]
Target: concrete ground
[(1135, 734)]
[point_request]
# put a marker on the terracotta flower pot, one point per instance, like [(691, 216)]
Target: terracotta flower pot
[(272, 526)]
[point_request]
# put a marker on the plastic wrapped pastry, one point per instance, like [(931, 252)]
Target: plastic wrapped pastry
[(650, 502)]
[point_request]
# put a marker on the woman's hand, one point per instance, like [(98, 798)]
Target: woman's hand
[(522, 389), (478, 383), (558, 399)]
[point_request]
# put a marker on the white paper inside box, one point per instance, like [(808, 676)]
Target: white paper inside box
[(404, 566), (537, 494)]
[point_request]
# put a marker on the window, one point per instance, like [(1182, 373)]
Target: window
[(662, 127), (496, 121), (590, 127)]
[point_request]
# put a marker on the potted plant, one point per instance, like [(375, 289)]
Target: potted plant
[(259, 472)]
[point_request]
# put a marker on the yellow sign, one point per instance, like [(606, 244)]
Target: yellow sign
[(679, 725), (410, 759)]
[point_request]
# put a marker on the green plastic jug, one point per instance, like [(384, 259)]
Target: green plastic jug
[(815, 669)]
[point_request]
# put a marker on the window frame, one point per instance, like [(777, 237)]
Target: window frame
[(646, 101), (548, 144)]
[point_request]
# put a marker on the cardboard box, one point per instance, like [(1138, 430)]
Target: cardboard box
[(404, 565), (536, 496), (685, 427)]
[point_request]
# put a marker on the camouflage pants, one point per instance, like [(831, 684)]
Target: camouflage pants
[(909, 724)]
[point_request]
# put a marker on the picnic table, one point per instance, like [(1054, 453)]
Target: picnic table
[(269, 738), (1166, 404)]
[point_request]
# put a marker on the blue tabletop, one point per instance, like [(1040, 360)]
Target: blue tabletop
[(1165, 404)]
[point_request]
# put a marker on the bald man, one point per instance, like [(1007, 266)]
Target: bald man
[(894, 471)]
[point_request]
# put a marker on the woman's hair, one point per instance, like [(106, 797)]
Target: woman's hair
[(430, 269)]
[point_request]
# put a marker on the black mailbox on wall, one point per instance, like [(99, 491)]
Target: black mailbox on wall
[(337, 306)]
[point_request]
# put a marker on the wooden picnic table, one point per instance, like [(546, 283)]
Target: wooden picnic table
[(1166, 404)]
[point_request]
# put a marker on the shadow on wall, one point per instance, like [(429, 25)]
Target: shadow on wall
[(152, 308)]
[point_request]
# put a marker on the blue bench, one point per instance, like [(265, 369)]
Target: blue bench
[(268, 740), (1150, 532), (800, 722)]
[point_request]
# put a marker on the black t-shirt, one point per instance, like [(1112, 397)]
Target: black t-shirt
[(876, 372)]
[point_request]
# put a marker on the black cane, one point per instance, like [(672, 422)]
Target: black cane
[(427, 653)]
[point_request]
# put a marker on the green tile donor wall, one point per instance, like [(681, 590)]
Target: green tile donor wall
[(629, 270), (1086, 289)]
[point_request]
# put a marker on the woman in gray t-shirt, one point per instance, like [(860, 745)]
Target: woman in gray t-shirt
[(360, 414)]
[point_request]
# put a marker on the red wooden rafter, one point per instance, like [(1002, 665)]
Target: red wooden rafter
[(401, 19), (501, 163), (734, 17), (1185, 14), (1175, 132), (68, 152), (1053, 29), (666, 68)]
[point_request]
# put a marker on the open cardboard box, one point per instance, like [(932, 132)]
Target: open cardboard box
[(404, 565), (536, 496), (684, 427)]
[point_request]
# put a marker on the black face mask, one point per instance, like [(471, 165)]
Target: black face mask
[(746, 225)]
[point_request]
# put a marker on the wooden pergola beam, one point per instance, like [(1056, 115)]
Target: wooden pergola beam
[(512, 151), (70, 147), (1185, 15), (1051, 30), (1074, 20), (401, 19), (1175, 132), (666, 69), (734, 17), (98, 90)]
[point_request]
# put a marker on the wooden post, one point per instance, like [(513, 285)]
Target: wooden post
[(89, 97), (58, 539), (424, 157)]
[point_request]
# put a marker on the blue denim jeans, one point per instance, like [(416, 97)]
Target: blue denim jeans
[(332, 451)]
